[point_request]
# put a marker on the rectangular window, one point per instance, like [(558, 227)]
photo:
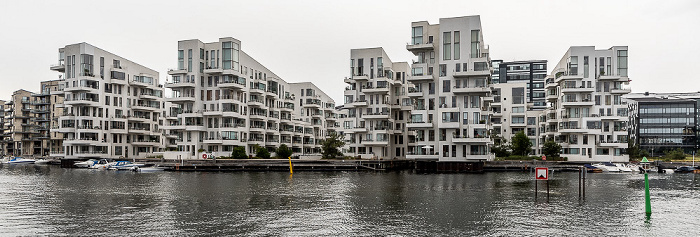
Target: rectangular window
[(585, 66), (446, 86), (622, 63), (180, 59), (443, 70), (417, 35), (573, 65), (518, 95), (189, 60), (446, 42), (475, 49), (456, 43)]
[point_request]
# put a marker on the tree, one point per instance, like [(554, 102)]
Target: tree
[(633, 150), (284, 152), (501, 148), (521, 144), (262, 152), (238, 153), (676, 154), (551, 149), (330, 145)]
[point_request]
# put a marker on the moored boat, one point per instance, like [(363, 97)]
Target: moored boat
[(592, 169), (20, 160)]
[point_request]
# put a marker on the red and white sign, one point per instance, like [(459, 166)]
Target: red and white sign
[(541, 173)]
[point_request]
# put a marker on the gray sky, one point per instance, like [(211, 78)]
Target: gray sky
[(311, 40)]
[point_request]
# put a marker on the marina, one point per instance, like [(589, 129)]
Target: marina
[(47, 199)]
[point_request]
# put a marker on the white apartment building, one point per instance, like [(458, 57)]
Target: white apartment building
[(376, 106), (314, 107), (451, 89), (587, 114), (111, 106), (223, 98), (511, 114)]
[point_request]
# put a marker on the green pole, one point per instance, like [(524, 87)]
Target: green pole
[(646, 194)]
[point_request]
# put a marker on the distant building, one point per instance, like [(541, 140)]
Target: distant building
[(664, 121), (531, 72)]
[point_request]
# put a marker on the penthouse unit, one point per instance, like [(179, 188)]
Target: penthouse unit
[(531, 72), (450, 92), (587, 114), (111, 105), (315, 107), (223, 98), (377, 105), (661, 122), (21, 134)]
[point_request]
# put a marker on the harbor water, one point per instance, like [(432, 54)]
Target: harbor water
[(48, 200)]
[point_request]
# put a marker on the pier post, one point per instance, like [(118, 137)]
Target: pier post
[(579, 182), (291, 171)]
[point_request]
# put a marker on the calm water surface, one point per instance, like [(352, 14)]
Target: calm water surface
[(48, 200)]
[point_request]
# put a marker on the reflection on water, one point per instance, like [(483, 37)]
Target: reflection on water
[(44, 200)]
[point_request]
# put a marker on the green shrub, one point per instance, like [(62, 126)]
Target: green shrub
[(238, 153)]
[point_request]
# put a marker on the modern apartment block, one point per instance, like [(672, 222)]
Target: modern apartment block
[(511, 113), (223, 98), (315, 107), (664, 121), (47, 107), (376, 105), (3, 138), (587, 113), (532, 72), (111, 106), (20, 130), (451, 80)]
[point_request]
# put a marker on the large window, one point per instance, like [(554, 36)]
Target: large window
[(86, 65), (518, 95), (456, 43), (180, 59), (417, 35), (230, 55), (446, 49), (573, 65), (475, 49), (622, 63), (189, 60)]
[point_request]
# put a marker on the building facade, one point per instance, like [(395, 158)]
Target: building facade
[(111, 106), (223, 98), (587, 114), (21, 134), (661, 122), (376, 105), (314, 107), (450, 92), (531, 72), (511, 113)]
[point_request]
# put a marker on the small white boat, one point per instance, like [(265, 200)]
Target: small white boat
[(124, 165), (20, 160), (85, 164), (147, 169), (623, 167), (42, 162), (100, 164), (607, 167)]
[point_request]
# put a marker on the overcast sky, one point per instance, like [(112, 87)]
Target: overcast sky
[(311, 40)]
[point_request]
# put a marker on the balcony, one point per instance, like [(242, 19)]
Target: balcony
[(180, 83), (582, 102), (362, 77), (614, 144), (478, 89), (213, 70), (472, 139), (60, 67), (423, 46), (620, 90), (177, 71), (580, 89), (471, 73), (381, 115), (419, 124), (375, 142), (372, 89), (182, 98)]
